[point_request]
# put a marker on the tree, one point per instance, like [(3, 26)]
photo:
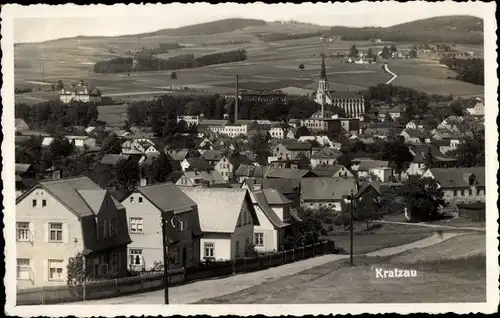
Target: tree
[(302, 131), (367, 209), (76, 270), (386, 53), (422, 197), (250, 251), (369, 53), (127, 175), (353, 52), (160, 168), (310, 228), (393, 48), (457, 109), (304, 162), (398, 154), (173, 77), (181, 127), (60, 85), (259, 145), (301, 67), (111, 145), (471, 152), (429, 159)]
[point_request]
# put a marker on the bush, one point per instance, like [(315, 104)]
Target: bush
[(250, 251)]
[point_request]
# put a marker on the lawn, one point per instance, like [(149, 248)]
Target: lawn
[(72, 60), (442, 277)]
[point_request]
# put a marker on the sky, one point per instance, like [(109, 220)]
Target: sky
[(42, 22)]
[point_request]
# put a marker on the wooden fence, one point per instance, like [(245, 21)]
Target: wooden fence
[(154, 281)]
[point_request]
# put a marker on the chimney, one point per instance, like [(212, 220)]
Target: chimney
[(236, 100)]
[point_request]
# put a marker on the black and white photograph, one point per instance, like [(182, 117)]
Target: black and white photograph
[(306, 157)]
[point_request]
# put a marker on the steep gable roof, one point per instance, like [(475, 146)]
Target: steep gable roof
[(273, 197), (167, 197), (287, 173), (198, 164), (326, 188), (458, 177), (327, 152), (260, 199), (219, 208)]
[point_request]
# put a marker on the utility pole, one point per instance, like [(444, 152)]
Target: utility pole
[(351, 227), (165, 255)]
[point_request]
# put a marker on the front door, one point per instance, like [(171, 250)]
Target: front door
[(184, 256)]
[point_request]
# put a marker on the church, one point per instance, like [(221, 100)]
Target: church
[(353, 104)]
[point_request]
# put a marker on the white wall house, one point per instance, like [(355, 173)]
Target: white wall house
[(55, 220), (230, 130), (82, 141), (144, 210), (227, 218), (80, 93)]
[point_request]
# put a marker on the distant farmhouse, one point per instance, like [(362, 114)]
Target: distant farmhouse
[(80, 93)]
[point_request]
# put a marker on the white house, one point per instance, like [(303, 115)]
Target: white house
[(383, 174), (139, 146), (477, 109), (80, 93), (276, 219), (55, 220), (145, 206), (326, 156), (82, 141), (230, 130), (227, 219)]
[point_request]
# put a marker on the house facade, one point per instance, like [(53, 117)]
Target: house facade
[(330, 193), (290, 150), (80, 93), (145, 207), (326, 156), (55, 220), (227, 219), (460, 185)]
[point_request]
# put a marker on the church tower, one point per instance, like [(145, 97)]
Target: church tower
[(322, 92)]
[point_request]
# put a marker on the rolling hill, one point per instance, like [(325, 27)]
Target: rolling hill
[(455, 29)]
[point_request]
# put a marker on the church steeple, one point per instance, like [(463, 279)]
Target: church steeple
[(323, 69)]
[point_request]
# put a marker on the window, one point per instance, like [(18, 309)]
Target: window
[(55, 232), (131, 199), (33, 203), (135, 225), (209, 249), (455, 192), (237, 249), (105, 228), (44, 203), (23, 268), (286, 214), (470, 191), (23, 231), (258, 239), (179, 224), (136, 257), (189, 250), (112, 227), (113, 262), (478, 191), (462, 192), (140, 199), (56, 270)]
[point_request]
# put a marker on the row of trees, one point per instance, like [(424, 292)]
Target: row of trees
[(271, 37), (396, 36), (53, 115), (469, 70), (147, 62)]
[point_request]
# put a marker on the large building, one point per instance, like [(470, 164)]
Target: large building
[(260, 95), (353, 104), (80, 93)]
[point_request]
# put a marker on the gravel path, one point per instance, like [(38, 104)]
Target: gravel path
[(197, 291)]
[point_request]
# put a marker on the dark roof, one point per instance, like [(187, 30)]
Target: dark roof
[(112, 159), (458, 177), (198, 164), (252, 171), (287, 173), (261, 201), (177, 155), (420, 151), (327, 152), (212, 155), (323, 170), (275, 197), (285, 186), (312, 189), (167, 197), (298, 146)]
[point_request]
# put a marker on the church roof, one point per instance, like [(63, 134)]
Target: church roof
[(323, 69)]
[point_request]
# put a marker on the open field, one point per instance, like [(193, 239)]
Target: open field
[(270, 65), (451, 271)]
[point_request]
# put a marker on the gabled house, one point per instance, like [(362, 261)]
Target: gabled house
[(420, 152), (213, 156), (56, 220), (450, 121), (291, 149), (250, 171), (396, 111), (330, 193), (277, 220), (326, 156), (414, 136), (332, 171), (227, 219), (201, 178), (20, 125), (196, 164), (204, 144), (25, 177), (141, 146), (460, 185), (145, 207), (287, 173)]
